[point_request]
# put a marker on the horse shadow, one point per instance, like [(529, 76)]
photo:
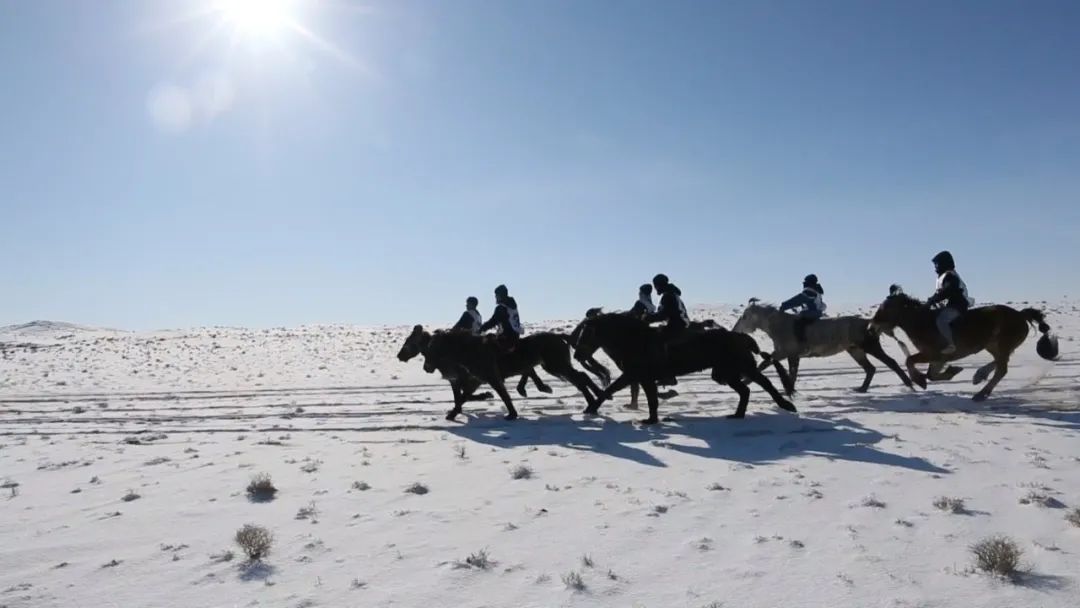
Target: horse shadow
[(997, 410), (762, 438)]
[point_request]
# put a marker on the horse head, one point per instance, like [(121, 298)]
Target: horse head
[(751, 319), (415, 343), (893, 309)]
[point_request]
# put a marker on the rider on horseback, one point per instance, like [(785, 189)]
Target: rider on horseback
[(672, 312), (808, 301), (505, 319), (644, 305), (470, 320), (951, 298)]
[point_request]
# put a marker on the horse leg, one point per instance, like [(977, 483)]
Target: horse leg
[(793, 369), (522, 384), (759, 378), (860, 357), (649, 386), (983, 373), (580, 380), (620, 383), (874, 349), (739, 387), (540, 386), (635, 388), (459, 398), (916, 376), (597, 369), (786, 379), (1001, 367), (500, 389)]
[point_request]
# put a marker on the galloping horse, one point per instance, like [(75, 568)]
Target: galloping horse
[(824, 338), (997, 329), (633, 343), (486, 360)]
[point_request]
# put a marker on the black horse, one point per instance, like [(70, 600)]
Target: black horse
[(462, 383), (483, 358), (644, 356)]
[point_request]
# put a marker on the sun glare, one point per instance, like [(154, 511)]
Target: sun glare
[(259, 18)]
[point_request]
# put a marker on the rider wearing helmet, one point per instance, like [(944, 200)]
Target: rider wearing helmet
[(505, 319), (470, 320), (809, 303), (951, 298)]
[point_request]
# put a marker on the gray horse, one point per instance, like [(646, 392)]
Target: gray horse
[(824, 338)]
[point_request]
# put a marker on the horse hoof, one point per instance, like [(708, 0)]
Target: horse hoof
[(451, 415), (522, 392), (668, 394), (860, 389), (920, 381), (649, 421), (544, 389), (979, 397), (736, 416), (510, 416), (788, 407), (484, 396), (591, 410)]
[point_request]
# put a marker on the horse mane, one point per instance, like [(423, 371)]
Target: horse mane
[(768, 306), (905, 299)]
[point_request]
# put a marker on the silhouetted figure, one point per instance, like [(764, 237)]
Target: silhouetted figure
[(950, 300), (808, 304), (505, 319), (470, 320), (644, 306)]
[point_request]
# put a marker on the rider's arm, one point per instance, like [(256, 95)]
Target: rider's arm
[(497, 317), (799, 300), (947, 286), (666, 311), (465, 322)]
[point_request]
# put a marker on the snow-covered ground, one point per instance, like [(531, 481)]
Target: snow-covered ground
[(833, 507)]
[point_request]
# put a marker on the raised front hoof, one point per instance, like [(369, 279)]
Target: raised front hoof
[(484, 396), (511, 416), (857, 389), (950, 372), (544, 389), (920, 380), (787, 406), (736, 416), (668, 394), (630, 406), (522, 392), (452, 415), (649, 421), (979, 397)]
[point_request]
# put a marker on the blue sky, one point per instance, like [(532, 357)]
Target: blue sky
[(381, 161)]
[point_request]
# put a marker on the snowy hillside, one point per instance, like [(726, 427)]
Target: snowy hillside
[(124, 458)]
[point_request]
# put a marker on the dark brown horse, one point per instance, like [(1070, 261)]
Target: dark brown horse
[(462, 383), (645, 358), (998, 329), (483, 358)]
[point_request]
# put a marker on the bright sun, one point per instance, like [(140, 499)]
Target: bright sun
[(260, 18)]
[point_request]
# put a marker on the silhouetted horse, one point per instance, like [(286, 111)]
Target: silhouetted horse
[(590, 363), (635, 344), (462, 383), (997, 329), (483, 358), (824, 338)]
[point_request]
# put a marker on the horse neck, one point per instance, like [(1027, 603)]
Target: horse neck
[(918, 323), (777, 324)]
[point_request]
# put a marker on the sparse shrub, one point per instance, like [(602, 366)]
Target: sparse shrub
[(417, 488), (261, 488), (715, 487), (951, 505), (998, 555), (130, 496), (587, 561), (254, 541), (224, 556), (459, 451), (573, 581), (308, 512), (481, 559), (1034, 497), (311, 466), (1073, 517), (361, 486), (872, 502), (521, 472)]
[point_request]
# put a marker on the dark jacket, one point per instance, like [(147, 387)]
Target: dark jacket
[(671, 310), (952, 291), (467, 322), (809, 300), (501, 318)]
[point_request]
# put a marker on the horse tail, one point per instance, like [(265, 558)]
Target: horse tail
[(1047, 346)]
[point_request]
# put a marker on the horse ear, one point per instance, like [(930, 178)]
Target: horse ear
[(895, 289), (753, 301), (417, 329)]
